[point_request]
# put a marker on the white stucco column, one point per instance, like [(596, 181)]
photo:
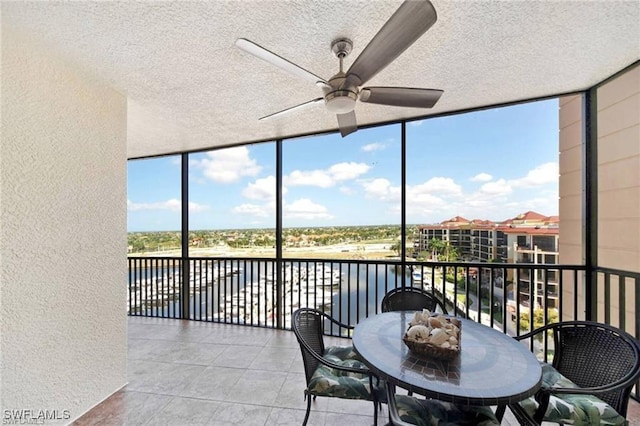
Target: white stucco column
[(62, 234)]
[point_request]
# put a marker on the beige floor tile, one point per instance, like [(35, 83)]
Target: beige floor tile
[(190, 373)]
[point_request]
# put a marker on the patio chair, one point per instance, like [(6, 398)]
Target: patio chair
[(593, 369), (406, 410), (411, 298), (332, 371)]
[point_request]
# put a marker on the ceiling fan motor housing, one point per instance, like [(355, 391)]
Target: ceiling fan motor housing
[(341, 101), (409, 22)]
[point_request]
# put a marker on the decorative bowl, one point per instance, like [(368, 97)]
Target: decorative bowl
[(435, 336)]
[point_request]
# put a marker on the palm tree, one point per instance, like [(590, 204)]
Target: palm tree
[(437, 247)]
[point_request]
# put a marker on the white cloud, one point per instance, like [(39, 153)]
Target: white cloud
[(262, 189), (541, 175), (172, 204), (304, 208), (498, 187), (309, 178), (228, 165), (436, 195), (381, 189), (346, 190), (423, 193), (440, 185), (481, 177), (252, 210), (421, 201), (347, 171), (416, 123), (197, 208), (376, 146), (546, 202), (328, 177)]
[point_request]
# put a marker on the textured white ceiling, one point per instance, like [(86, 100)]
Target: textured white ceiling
[(189, 87)]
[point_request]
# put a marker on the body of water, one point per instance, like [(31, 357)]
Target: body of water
[(225, 288)]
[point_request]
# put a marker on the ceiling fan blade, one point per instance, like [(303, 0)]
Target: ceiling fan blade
[(280, 62), (292, 109), (406, 25), (347, 123), (401, 96)]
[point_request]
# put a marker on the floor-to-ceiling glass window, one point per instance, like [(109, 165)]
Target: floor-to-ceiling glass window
[(341, 208), (479, 186), (232, 202), (475, 184), (153, 206), (342, 195), (153, 225), (232, 206)]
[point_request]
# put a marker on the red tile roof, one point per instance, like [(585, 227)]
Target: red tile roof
[(528, 223)]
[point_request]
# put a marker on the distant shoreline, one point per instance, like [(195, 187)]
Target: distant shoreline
[(335, 251)]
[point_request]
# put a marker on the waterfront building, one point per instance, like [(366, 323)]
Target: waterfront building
[(529, 238)]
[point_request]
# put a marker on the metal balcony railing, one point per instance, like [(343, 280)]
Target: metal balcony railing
[(265, 292)]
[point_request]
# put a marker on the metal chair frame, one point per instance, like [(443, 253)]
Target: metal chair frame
[(602, 360), (411, 298), (307, 325)]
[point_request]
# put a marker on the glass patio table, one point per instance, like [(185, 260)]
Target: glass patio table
[(491, 369)]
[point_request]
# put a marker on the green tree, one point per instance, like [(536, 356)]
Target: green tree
[(436, 246), (538, 318), (423, 255), (396, 247), (443, 249)]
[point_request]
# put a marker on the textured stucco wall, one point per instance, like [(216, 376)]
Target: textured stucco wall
[(619, 172), (619, 188), (62, 233), (570, 241), (618, 103)]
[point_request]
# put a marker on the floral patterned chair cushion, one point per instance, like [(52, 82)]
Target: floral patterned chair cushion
[(428, 412), (342, 352), (327, 381), (572, 409)]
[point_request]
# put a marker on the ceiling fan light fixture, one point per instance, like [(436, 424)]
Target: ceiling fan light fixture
[(340, 93), (341, 101)]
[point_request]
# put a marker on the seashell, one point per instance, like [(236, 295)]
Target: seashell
[(447, 325), (455, 322), (453, 340), (418, 332), (417, 319), (438, 336), (437, 331), (445, 345), (434, 322)]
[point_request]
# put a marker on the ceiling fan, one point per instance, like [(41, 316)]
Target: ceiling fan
[(411, 20)]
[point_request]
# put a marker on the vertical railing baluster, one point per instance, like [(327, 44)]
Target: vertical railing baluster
[(575, 295), (516, 296), (622, 311), (491, 294)]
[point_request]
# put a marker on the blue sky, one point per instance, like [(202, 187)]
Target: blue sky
[(491, 164)]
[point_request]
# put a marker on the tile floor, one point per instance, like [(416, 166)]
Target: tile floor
[(195, 373)]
